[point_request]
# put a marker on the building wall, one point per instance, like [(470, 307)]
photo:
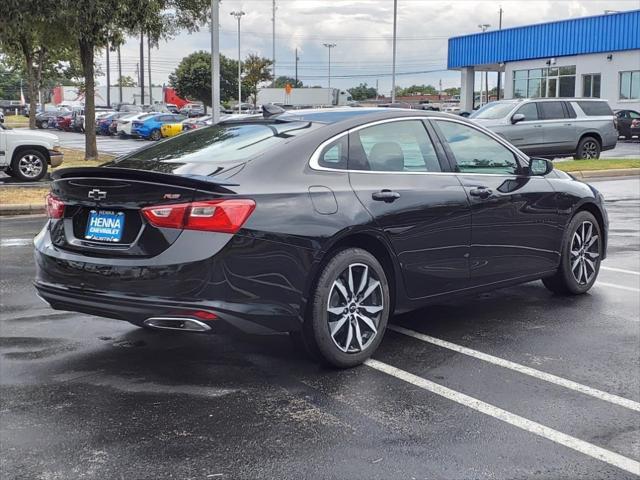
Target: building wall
[(585, 64)]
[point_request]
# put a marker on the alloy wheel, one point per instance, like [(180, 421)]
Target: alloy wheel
[(30, 165), (585, 252), (589, 150), (354, 308)]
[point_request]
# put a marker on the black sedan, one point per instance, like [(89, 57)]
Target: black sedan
[(322, 224), (628, 123)]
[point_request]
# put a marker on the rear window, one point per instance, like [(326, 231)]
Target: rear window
[(595, 109), (215, 146)]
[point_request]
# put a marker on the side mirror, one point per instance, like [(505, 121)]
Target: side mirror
[(518, 117), (540, 166)]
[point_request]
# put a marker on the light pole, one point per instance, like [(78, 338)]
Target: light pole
[(273, 19), (483, 27), (393, 63), (215, 61), (329, 47), (238, 16)]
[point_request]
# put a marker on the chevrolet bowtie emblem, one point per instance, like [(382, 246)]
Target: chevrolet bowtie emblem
[(97, 194)]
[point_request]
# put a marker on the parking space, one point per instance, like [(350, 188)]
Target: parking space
[(517, 383)]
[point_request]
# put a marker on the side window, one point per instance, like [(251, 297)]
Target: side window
[(632, 114), (530, 111), (335, 154), (476, 152), (402, 146), (551, 110)]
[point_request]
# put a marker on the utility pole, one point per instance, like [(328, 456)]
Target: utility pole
[(119, 74), (484, 27), (393, 67), (329, 47), (273, 19), (141, 67), (376, 89), (215, 61), (297, 58), (499, 84), (238, 16), (108, 78), (149, 69)]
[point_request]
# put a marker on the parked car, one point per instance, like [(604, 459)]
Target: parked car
[(106, 124), (552, 127), (149, 127), (63, 122), (172, 129), (124, 124), (192, 110), (127, 107), (628, 123), (1, 116), (48, 118), (197, 122), (322, 223), (26, 154)]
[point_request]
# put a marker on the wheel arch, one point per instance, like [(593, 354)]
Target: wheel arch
[(593, 134), (39, 148), (596, 211)]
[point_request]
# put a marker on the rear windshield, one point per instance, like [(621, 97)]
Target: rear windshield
[(594, 109), (216, 146), (493, 111)]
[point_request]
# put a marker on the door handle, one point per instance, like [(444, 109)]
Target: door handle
[(481, 192), (537, 126), (385, 195)]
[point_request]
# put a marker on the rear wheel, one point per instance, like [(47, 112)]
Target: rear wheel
[(581, 255), (588, 148), (44, 124), (29, 165), (349, 311)]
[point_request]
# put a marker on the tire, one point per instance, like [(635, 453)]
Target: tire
[(155, 135), (44, 124), (588, 149), (358, 322), (9, 172), (576, 281), (29, 165)]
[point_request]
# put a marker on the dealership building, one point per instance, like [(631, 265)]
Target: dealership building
[(583, 57)]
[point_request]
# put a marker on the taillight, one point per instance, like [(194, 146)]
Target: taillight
[(55, 206), (635, 123), (225, 215)]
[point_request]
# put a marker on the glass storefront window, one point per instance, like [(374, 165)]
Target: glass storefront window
[(567, 87), (568, 70), (591, 85), (547, 82), (630, 85)]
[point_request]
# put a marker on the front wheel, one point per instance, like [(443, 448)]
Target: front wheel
[(581, 254), (350, 309), (29, 165), (156, 135)]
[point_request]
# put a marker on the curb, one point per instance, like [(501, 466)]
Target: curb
[(22, 209), (621, 172)]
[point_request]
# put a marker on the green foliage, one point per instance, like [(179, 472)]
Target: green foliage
[(418, 90), (452, 91), (362, 92), (256, 71), (192, 78), (282, 81), (9, 83), (125, 81)]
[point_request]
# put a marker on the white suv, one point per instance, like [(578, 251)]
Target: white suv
[(26, 154)]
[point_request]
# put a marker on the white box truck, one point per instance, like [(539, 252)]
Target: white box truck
[(304, 97)]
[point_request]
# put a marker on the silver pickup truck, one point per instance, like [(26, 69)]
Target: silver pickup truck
[(553, 127)]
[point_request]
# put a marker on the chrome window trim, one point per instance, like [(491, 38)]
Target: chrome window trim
[(314, 161)]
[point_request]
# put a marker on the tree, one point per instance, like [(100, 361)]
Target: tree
[(192, 78), (256, 71), (125, 81), (452, 91), (282, 81), (9, 82), (419, 90), (363, 92)]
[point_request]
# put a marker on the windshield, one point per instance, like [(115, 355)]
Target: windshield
[(493, 111), (210, 148)]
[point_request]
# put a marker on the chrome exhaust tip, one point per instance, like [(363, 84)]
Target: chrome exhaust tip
[(177, 323)]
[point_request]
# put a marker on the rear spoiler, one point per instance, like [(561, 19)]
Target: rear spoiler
[(200, 182)]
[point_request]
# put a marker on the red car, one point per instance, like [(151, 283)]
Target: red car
[(64, 122)]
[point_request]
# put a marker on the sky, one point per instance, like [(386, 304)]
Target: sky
[(362, 31)]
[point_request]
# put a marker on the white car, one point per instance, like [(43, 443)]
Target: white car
[(27, 154), (124, 123)]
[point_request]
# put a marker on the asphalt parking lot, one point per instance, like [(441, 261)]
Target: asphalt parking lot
[(517, 383)]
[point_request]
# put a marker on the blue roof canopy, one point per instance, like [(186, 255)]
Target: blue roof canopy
[(602, 33)]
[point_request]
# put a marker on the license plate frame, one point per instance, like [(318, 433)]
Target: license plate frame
[(105, 226)]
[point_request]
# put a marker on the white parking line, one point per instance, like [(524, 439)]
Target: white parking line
[(532, 372), (620, 270), (560, 438), (15, 242), (621, 287)]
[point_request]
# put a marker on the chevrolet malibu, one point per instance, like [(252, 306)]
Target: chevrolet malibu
[(322, 224)]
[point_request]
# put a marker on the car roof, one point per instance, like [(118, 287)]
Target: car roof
[(363, 114)]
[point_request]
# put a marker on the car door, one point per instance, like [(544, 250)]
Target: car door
[(515, 226), (396, 170), (526, 134), (3, 147), (558, 127)]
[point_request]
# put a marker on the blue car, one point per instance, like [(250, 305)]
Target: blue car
[(104, 124), (149, 128)]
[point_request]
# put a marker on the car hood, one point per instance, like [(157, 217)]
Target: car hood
[(37, 135)]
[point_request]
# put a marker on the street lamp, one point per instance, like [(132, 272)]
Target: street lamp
[(215, 61), (329, 47), (483, 27), (393, 64), (238, 16)]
